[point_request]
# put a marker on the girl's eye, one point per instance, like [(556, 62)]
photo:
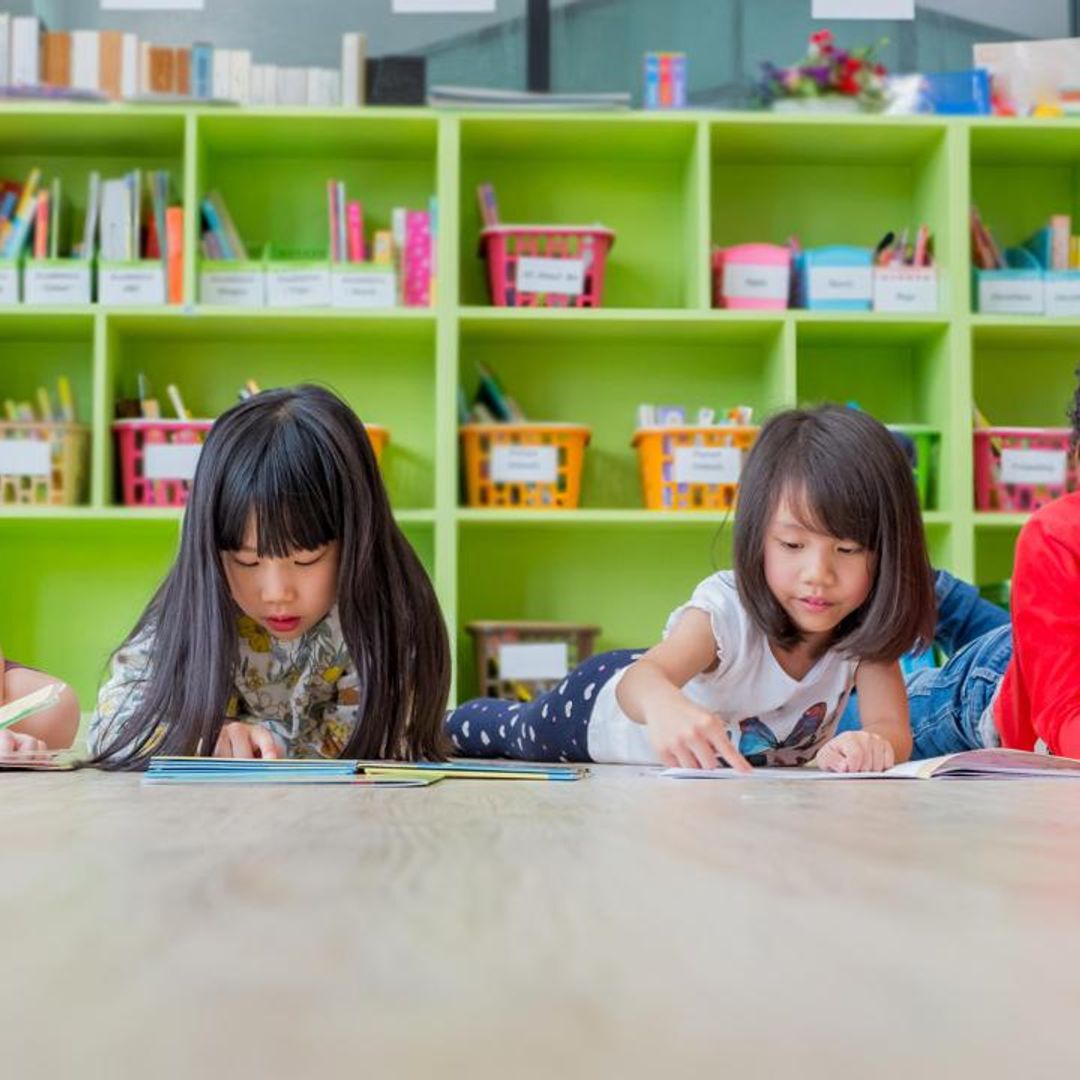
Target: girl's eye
[(853, 550), (247, 565), (309, 562), (789, 545)]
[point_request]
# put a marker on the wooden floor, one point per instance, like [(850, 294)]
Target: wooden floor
[(622, 926)]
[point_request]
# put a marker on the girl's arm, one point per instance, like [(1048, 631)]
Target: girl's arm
[(54, 727), (682, 733), (885, 739)]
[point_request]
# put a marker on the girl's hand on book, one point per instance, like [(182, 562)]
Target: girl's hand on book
[(13, 742), (686, 736), (240, 740), (856, 751)]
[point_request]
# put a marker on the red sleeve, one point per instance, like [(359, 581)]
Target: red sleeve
[(1046, 631)]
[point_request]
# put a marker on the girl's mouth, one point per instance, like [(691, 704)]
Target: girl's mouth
[(282, 624)]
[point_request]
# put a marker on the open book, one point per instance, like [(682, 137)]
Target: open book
[(21, 708), (969, 765)]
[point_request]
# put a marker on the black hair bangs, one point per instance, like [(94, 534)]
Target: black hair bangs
[(287, 483)]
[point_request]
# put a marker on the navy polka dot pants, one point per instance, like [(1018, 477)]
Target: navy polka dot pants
[(552, 727)]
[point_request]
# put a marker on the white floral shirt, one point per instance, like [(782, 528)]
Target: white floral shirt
[(304, 691)]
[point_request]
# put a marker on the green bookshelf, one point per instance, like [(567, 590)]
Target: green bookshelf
[(670, 186)]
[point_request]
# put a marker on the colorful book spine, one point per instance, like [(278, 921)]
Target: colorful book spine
[(355, 214), (417, 259), (213, 223), (174, 258), (1060, 234), (24, 216), (41, 226), (331, 219), (339, 217), (202, 70)]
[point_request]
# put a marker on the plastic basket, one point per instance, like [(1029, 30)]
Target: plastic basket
[(504, 246), (501, 458), (1021, 469), (157, 459), (924, 469), (958, 93), (490, 639), (692, 468), (43, 463)]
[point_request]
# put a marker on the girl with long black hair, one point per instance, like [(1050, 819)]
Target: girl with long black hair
[(297, 620)]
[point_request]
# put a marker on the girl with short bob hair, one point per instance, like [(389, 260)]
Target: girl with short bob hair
[(831, 585), (296, 619)]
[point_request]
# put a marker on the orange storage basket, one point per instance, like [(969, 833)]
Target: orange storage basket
[(661, 458), (491, 480)]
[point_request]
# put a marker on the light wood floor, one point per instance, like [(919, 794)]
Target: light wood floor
[(622, 926)]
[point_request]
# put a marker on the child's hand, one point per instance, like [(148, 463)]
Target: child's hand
[(856, 751), (12, 742), (240, 740), (685, 735)]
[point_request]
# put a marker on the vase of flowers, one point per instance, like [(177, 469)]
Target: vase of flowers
[(827, 79)]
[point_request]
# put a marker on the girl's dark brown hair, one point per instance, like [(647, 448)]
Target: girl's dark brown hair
[(845, 475), (299, 462)]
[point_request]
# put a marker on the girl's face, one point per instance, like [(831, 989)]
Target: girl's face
[(818, 579), (286, 596)]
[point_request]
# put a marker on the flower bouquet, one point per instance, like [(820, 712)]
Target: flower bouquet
[(827, 79)]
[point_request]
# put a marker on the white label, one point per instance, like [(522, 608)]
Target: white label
[(565, 277), (443, 7), (543, 660), (1063, 296), (364, 288), (707, 464), (840, 283), (298, 288), (1005, 297), (62, 285), (9, 285), (170, 461), (751, 281), (906, 290), (25, 457), (524, 464), (862, 9), (233, 288), (135, 286), (1034, 467)]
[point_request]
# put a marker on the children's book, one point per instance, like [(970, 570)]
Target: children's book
[(473, 770), (39, 761), (23, 708), (968, 765)]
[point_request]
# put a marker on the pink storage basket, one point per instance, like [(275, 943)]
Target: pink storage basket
[(155, 470), (1021, 469), (505, 245), (752, 276)]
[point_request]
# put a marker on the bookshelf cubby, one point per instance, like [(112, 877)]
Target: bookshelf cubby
[(670, 186)]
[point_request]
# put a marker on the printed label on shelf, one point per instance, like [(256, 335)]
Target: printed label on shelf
[(542, 660), (708, 464), (840, 283), (749, 281), (298, 288), (134, 286), (25, 457), (1010, 297), (565, 277), (9, 285), (524, 464), (912, 290), (56, 285), (171, 461), (364, 288), (1034, 467), (1063, 296), (233, 288)]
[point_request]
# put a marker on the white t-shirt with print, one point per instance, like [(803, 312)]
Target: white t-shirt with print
[(770, 716)]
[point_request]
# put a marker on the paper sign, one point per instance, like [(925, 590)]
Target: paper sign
[(840, 283), (153, 5), (862, 9), (25, 457), (566, 277), (9, 285), (542, 660), (60, 285), (1005, 296), (913, 290), (298, 288), (171, 461), (524, 464), (236, 288), (444, 7), (708, 464), (1063, 295), (750, 282), (1034, 467), (137, 286), (364, 288)]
